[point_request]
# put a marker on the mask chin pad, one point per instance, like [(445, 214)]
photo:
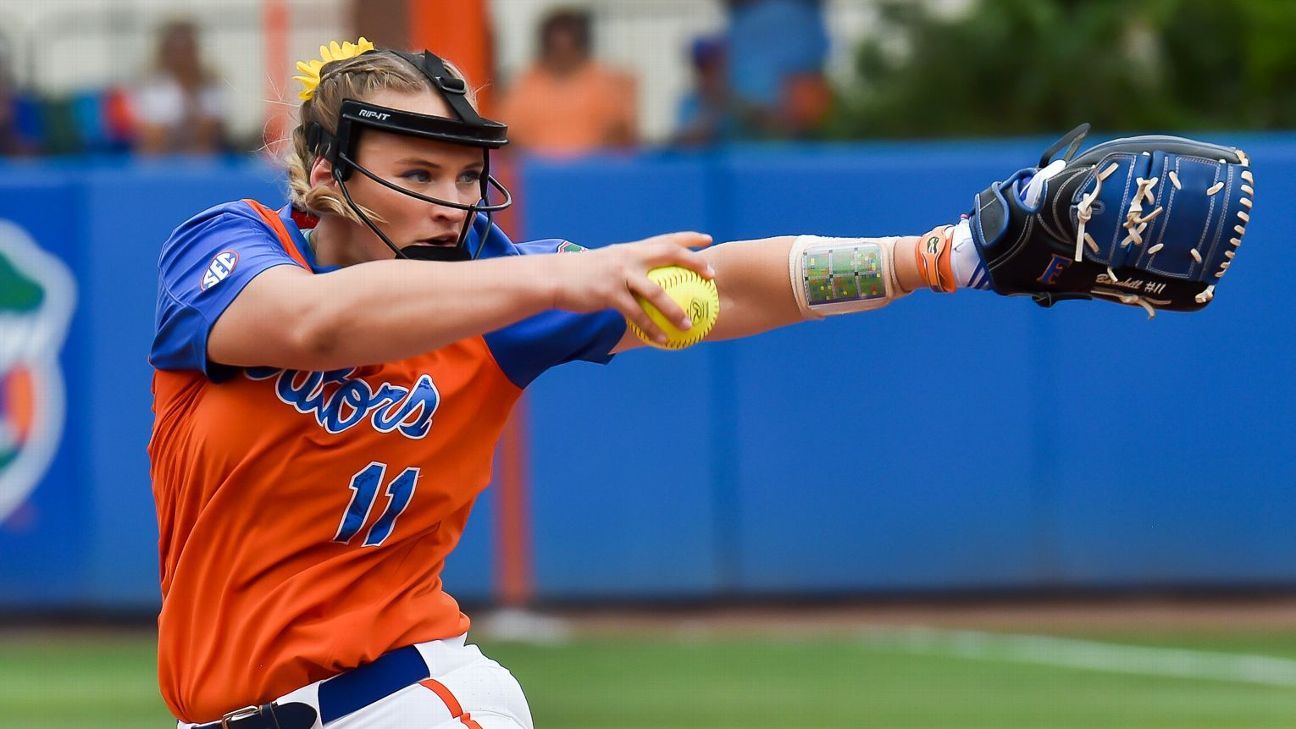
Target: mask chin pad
[(445, 254)]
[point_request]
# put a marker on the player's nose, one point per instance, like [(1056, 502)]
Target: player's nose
[(446, 214)]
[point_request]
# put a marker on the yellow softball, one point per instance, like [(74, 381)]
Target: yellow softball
[(696, 295)]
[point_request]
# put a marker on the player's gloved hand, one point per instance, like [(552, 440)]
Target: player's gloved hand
[(611, 277), (1151, 221)]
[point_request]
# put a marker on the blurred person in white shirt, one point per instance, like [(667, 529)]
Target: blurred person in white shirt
[(180, 107)]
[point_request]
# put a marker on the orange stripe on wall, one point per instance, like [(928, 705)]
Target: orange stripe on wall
[(513, 564), (459, 31), (279, 96), (22, 404)]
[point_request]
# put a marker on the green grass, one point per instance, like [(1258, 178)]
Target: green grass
[(53, 682), (63, 682)]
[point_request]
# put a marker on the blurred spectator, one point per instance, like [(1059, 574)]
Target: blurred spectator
[(707, 114), (566, 102), (179, 108), (777, 50)]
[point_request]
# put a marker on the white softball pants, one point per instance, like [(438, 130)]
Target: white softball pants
[(467, 689)]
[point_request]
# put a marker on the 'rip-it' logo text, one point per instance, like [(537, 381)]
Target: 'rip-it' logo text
[(339, 401)]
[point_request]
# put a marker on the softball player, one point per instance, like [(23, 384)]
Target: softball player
[(331, 378)]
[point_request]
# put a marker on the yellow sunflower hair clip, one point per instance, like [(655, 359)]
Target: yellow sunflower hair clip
[(334, 51)]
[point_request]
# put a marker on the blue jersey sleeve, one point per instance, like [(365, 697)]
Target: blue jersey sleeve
[(203, 267), (526, 349)]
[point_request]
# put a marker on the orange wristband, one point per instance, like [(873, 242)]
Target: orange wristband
[(934, 256)]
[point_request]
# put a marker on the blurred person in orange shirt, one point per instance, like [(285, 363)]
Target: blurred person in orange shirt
[(566, 102), (180, 107)]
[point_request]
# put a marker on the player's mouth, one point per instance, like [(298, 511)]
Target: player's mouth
[(444, 240)]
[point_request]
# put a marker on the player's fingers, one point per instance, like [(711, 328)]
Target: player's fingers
[(647, 289), (691, 239), (670, 255), (629, 307), (682, 239)]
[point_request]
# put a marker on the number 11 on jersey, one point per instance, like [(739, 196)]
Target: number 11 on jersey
[(364, 486)]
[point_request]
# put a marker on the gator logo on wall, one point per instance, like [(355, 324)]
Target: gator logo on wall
[(37, 294)]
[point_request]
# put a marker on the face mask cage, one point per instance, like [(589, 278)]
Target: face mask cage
[(468, 129)]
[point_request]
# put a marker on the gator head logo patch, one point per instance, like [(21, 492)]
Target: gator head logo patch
[(37, 295), (569, 247)]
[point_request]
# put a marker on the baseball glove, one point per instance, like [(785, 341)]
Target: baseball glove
[(1150, 221)]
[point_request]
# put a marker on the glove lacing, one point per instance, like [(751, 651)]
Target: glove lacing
[(1084, 211), (1131, 299), (1134, 222), (1248, 182)]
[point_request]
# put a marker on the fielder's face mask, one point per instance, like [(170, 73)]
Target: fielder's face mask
[(467, 127)]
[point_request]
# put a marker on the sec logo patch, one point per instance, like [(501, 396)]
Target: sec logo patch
[(220, 268)]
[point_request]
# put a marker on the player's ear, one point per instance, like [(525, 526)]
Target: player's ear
[(321, 173)]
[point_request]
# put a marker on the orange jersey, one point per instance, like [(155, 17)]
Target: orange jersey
[(305, 516)]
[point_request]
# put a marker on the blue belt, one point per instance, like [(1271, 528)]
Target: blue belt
[(338, 696)]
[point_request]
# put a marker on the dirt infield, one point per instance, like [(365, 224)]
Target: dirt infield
[(1142, 615)]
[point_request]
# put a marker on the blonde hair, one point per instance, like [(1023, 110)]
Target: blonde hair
[(354, 78)]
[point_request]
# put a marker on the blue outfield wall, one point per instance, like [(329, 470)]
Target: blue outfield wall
[(942, 443), (962, 442)]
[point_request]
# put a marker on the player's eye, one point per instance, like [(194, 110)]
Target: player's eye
[(470, 177), (419, 176)]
